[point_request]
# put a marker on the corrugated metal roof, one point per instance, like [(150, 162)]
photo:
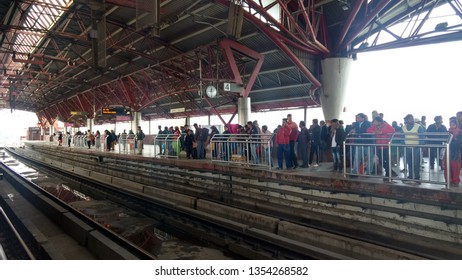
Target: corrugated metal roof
[(50, 67)]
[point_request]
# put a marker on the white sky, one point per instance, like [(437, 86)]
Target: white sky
[(422, 80)]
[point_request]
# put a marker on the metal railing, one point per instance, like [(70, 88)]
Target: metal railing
[(167, 145), (399, 156), (242, 149)]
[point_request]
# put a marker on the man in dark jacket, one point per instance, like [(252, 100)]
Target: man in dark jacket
[(201, 136), (254, 134), (361, 152), (315, 131), (437, 127), (303, 141), (188, 143), (336, 138), (324, 139)]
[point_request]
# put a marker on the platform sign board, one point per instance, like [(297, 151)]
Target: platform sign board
[(117, 111), (123, 118), (233, 87), (177, 110), (78, 113)]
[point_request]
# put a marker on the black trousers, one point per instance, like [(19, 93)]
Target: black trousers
[(293, 154)]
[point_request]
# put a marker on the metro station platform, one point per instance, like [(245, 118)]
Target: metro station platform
[(322, 176)]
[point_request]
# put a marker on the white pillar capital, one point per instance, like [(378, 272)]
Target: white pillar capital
[(334, 78)]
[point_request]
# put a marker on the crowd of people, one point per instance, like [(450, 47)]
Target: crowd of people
[(312, 144), (415, 133), (126, 140)]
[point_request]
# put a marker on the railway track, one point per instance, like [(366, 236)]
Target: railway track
[(12, 245), (93, 238), (220, 196), (236, 238)]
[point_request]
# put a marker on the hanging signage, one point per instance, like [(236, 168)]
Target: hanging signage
[(78, 113), (177, 110), (232, 87), (123, 118), (118, 111)]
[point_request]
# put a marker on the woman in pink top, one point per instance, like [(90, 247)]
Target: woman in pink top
[(383, 132)]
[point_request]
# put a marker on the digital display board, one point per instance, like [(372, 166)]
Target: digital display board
[(118, 111)]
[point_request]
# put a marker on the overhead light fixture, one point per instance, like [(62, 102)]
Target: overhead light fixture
[(441, 26), (344, 5), (363, 45)]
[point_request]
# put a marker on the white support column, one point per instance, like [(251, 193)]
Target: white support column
[(90, 124), (243, 110), (52, 131), (334, 78), (136, 121), (149, 121)]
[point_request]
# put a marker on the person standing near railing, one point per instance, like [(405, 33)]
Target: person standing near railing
[(108, 139), (254, 132), (214, 131), (114, 139), (459, 121), (176, 141), (267, 144), (336, 139), (361, 152), (383, 132), (97, 140), (131, 141), (225, 145), (163, 140), (188, 143), (454, 154), (69, 139), (323, 147), (201, 134), (396, 151), (60, 138), (413, 135), (303, 140), (315, 144), (123, 139), (139, 139), (437, 127), (283, 144), (293, 140), (89, 138)]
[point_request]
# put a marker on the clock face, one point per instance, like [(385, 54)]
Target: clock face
[(211, 91)]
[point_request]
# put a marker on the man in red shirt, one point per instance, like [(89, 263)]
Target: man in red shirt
[(292, 140), (282, 140)]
